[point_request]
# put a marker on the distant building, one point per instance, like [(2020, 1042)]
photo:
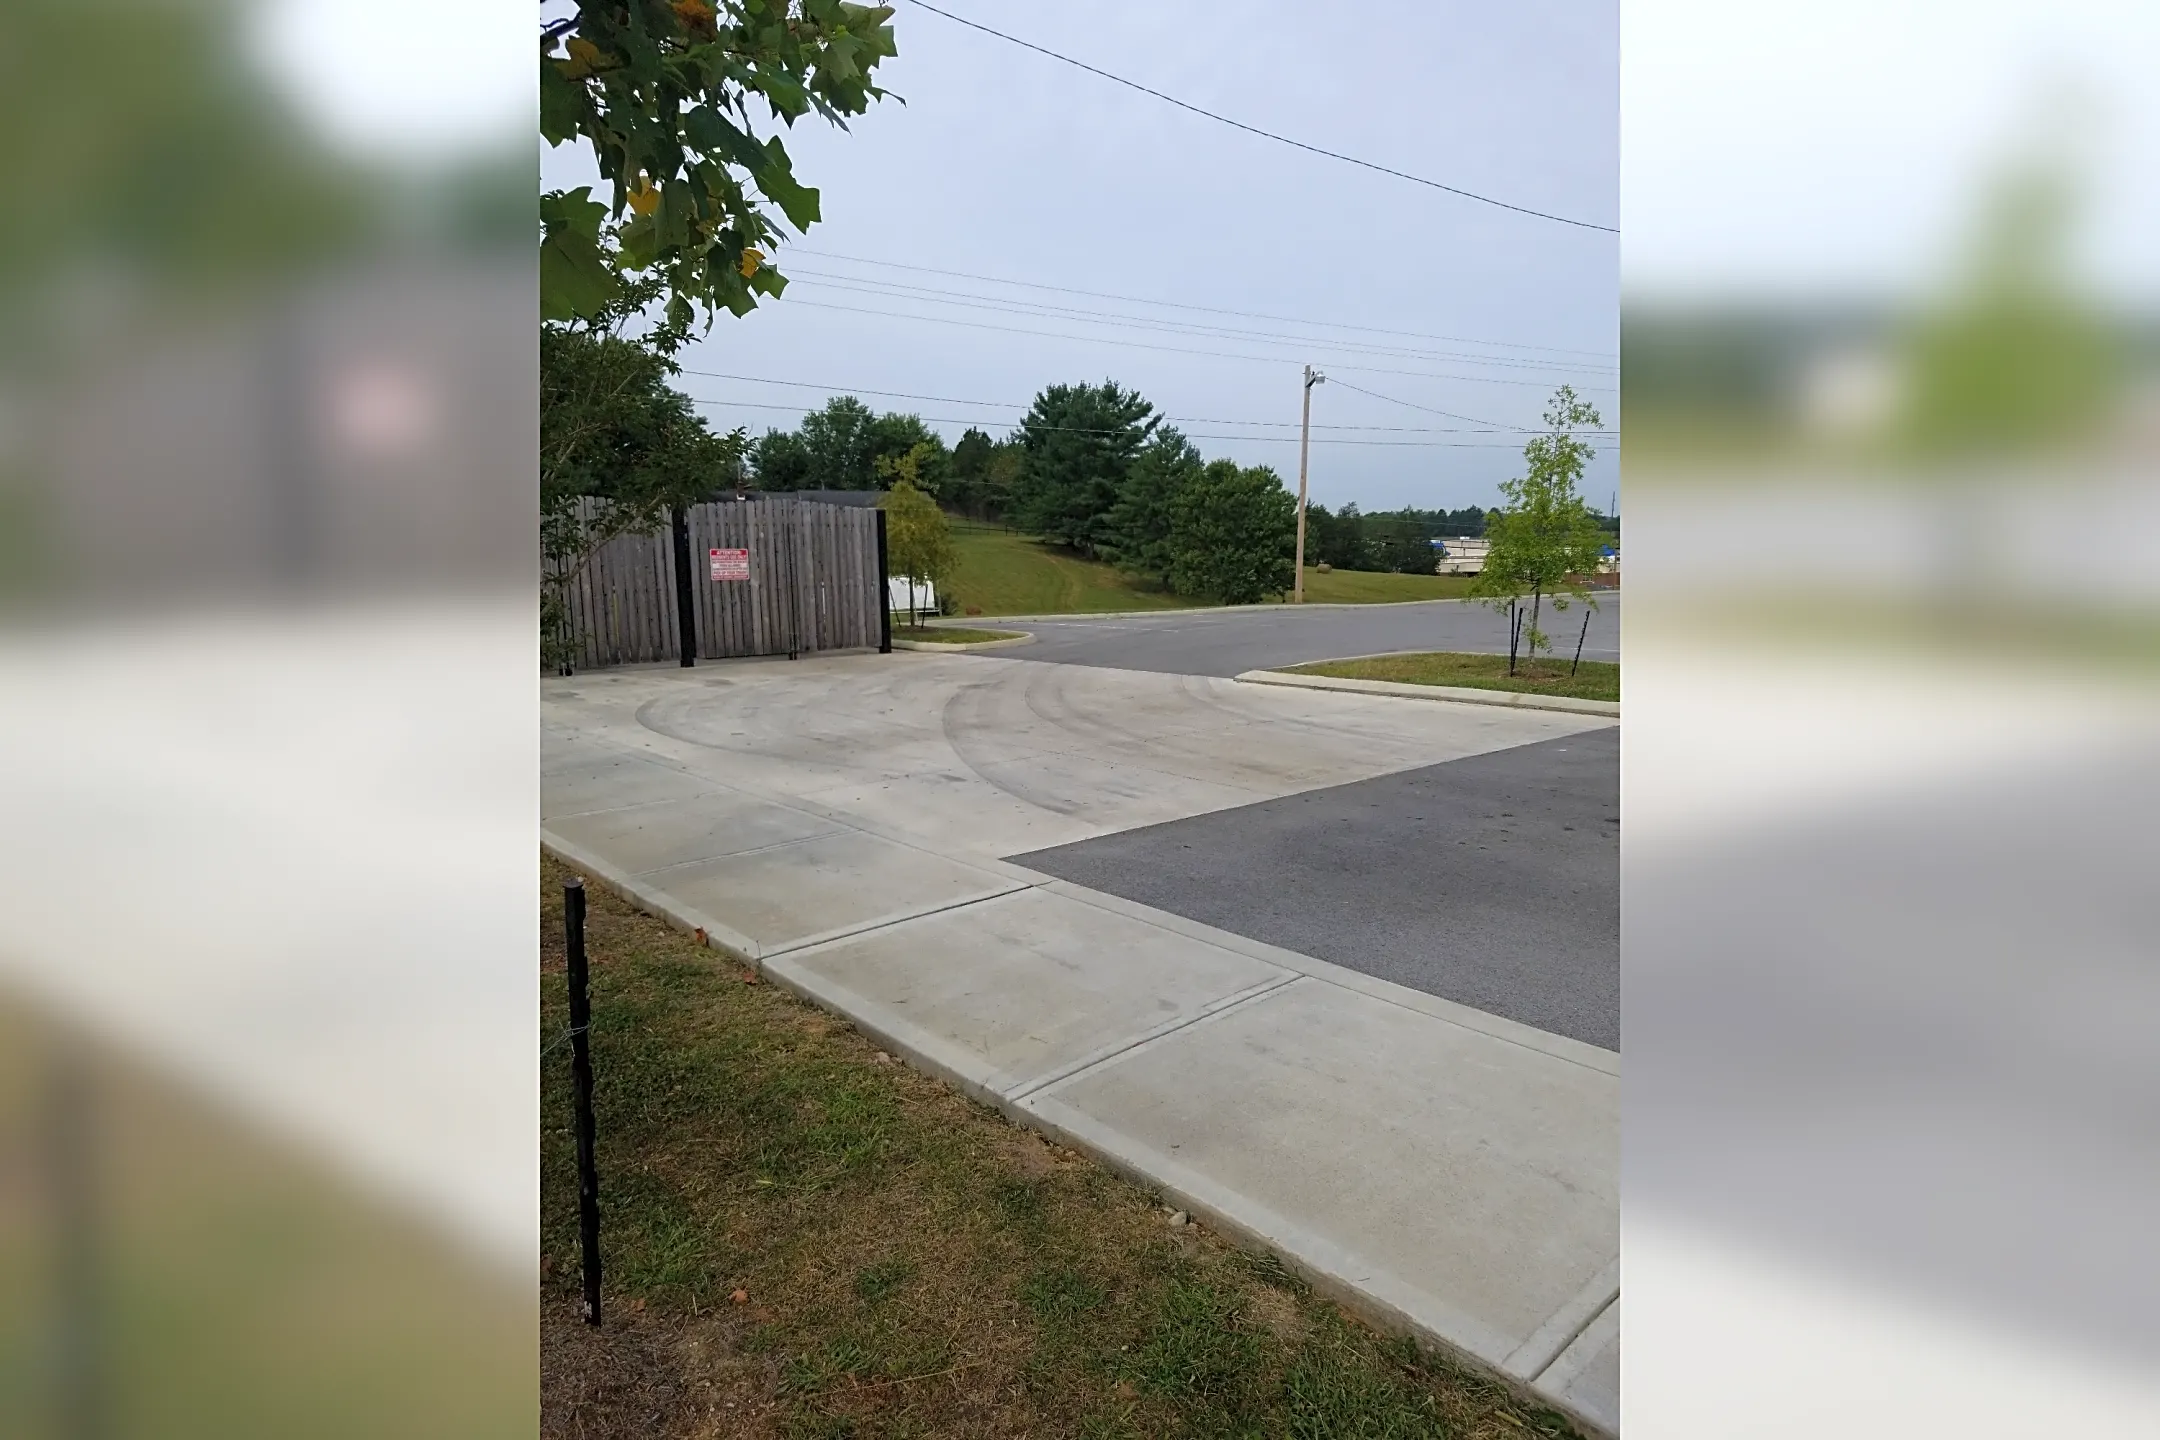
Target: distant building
[(1457, 555)]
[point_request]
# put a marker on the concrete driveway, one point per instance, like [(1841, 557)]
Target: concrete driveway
[(845, 822), (1229, 642)]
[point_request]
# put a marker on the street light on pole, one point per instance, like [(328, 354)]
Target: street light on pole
[(1304, 444)]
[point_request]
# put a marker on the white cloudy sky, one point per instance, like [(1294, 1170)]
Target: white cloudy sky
[(1006, 164)]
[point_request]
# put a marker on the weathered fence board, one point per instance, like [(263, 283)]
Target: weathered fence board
[(814, 585)]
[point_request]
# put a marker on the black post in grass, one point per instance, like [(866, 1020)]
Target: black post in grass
[(1580, 638), (588, 1174)]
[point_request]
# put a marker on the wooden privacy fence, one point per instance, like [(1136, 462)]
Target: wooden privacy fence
[(812, 579)]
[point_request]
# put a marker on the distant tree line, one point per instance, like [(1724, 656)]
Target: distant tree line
[(1092, 468), (1095, 469)]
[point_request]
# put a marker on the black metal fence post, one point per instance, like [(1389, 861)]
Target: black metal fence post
[(884, 589), (685, 588), (581, 1081)]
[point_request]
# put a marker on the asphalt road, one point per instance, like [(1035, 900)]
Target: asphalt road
[(1493, 881), (1231, 641)]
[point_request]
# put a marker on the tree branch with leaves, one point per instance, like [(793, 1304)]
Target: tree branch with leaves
[(669, 96)]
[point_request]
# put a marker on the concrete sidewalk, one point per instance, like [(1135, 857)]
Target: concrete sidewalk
[(1439, 1169)]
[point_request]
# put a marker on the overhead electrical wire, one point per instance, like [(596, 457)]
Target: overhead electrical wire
[(1090, 430), (1497, 428), (1172, 349), (1601, 355), (892, 290), (1268, 134)]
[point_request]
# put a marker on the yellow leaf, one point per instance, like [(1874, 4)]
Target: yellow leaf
[(584, 58), (644, 198), (751, 259), (695, 15)]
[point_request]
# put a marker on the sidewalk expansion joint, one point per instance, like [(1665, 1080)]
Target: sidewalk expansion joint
[(1213, 1011), (887, 922)]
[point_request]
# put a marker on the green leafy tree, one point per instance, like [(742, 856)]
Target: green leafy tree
[(619, 446), (918, 538), (669, 95), (780, 461), (840, 446), (1080, 441), (1468, 522), (1339, 540), (1399, 543), (1545, 542), (969, 473), (893, 436), (1233, 534), (839, 440), (1138, 528), (1002, 479)]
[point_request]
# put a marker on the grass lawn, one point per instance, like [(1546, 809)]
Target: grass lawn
[(999, 573), (1372, 587), (949, 634), (806, 1239), (1002, 573), (1596, 680)]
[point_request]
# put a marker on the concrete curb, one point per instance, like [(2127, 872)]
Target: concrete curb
[(1512, 699), (963, 646), (1340, 1276), (1215, 610)]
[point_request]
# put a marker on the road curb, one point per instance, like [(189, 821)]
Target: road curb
[(1005, 644), (1218, 610), (1511, 699)]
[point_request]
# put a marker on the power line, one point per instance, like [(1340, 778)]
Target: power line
[(1171, 349), (1450, 414), (831, 390), (1268, 134), (1208, 309), (1092, 430), (1430, 411), (892, 290)]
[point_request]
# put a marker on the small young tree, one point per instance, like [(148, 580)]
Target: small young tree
[(1233, 534), (918, 541), (1545, 541)]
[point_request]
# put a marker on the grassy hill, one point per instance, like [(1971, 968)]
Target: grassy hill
[(1002, 573)]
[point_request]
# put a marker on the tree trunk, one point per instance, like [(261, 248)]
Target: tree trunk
[(1537, 605), (1514, 633)]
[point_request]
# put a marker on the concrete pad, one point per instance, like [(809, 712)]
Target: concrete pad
[(986, 756), (1585, 1380), (796, 894), (639, 838), (1019, 990), (1468, 1184), (609, 784)]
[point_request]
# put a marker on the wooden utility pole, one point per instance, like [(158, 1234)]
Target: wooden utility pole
[(1304, 444)]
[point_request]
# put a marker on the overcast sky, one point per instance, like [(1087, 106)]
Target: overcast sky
[(1007, 164)]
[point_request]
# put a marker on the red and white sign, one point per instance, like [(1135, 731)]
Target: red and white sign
[(730, 564)]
